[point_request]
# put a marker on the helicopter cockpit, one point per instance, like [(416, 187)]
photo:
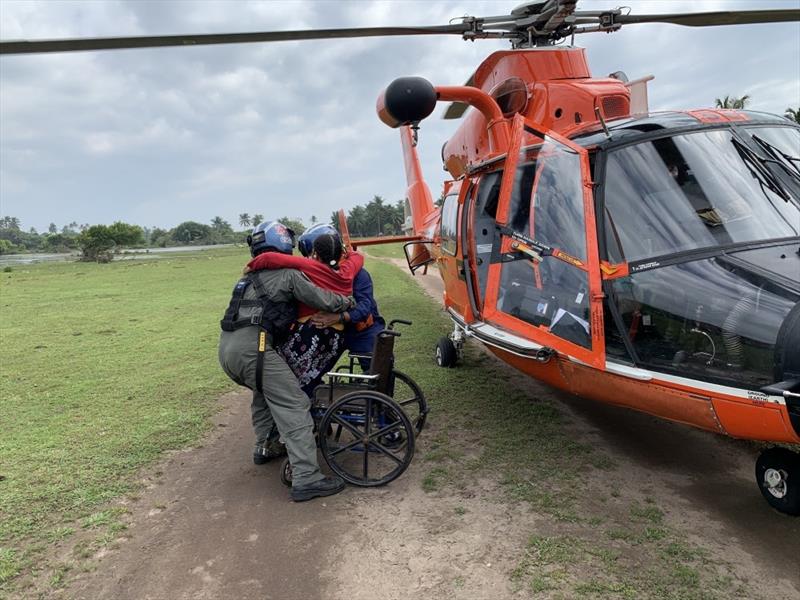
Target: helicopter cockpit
[(707, 222), (697, 234)]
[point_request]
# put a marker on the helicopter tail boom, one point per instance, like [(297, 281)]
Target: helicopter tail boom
[(419, 205)]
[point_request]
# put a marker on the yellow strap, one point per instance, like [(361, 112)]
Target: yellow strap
[(262, 341)]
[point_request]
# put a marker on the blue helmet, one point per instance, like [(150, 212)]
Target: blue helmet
[(306, 241), (271, 235)]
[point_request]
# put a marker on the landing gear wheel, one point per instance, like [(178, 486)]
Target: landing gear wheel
[(778, 478), (446, 353), (368, 441), (286, 473), (410, 397)]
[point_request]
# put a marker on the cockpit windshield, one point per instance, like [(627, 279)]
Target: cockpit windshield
[(693, 191)]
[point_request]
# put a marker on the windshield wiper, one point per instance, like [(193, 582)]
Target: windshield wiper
[(793, 166), (757, 166)]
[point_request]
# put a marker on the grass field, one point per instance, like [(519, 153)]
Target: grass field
[(104, 367)]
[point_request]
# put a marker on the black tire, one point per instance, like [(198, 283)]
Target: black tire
[(382, 422), (778, 478), (409, 396), (286, 473), (446, 354)]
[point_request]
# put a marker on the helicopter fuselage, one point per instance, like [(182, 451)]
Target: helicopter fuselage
[(662, 274), (649, 260)]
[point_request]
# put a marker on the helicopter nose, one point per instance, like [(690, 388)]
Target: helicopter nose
[(405, 101), (787, 347)]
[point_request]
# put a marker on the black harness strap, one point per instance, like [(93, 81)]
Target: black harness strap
[(272, 318), (256, 319)]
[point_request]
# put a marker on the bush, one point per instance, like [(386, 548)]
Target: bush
[(7, 247), (97, 243)]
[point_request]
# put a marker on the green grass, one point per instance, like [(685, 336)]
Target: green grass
[(384, 251), (103, 368)]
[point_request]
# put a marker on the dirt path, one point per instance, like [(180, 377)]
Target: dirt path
[(212, 525)]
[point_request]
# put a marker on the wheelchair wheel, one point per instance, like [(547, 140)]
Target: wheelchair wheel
[(286, 473), (409, 396), (366, 438)]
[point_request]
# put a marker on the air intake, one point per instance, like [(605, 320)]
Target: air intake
[(614, 106)]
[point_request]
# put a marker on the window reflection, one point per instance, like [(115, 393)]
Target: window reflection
[(687, 192), (704, 318)]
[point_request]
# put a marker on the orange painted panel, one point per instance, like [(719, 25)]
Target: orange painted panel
[(752, 419), (644, 396)]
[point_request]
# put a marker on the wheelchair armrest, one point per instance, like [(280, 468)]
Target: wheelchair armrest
[(338, 375)]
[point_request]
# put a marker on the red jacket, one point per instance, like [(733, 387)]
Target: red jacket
[(320, 274)]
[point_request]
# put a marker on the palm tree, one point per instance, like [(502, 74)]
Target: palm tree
[(793, 114), (733, 102), (219, 223), (244, 219), (256, 219), (313, 219)]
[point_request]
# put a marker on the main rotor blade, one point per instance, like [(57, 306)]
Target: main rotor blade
[(706, 19), (159, 41)]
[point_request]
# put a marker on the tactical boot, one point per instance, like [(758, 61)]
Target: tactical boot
[(324, 487)]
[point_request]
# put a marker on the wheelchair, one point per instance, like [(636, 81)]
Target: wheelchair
[(366, 423)]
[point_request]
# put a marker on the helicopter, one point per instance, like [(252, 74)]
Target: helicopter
[(645, 260)]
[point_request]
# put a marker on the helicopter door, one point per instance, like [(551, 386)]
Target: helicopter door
[(451, 264), (483, 231), (544, 282)]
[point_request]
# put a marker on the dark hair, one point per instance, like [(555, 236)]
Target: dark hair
[(329, 249)]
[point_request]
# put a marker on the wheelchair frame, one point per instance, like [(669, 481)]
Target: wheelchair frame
[(360, 425)]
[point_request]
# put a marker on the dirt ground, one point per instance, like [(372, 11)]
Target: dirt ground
[(212, 525)]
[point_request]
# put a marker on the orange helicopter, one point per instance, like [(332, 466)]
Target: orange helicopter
[(646, 260)]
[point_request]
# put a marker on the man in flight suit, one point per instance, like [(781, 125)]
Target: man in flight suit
[(262, 307)]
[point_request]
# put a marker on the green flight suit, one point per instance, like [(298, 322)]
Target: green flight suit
[(288, 405)]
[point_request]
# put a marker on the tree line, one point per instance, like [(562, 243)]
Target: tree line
[(377, 217), (101, 242)]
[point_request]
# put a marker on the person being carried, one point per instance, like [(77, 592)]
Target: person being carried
[(312, 350), (261, 311)]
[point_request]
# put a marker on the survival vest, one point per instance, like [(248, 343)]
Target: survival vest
[(274, 317)]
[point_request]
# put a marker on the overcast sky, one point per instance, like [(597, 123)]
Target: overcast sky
[(159, 136)]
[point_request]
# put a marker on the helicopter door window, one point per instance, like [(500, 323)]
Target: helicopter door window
[(485, 226), (449, 230), (545, 283)]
